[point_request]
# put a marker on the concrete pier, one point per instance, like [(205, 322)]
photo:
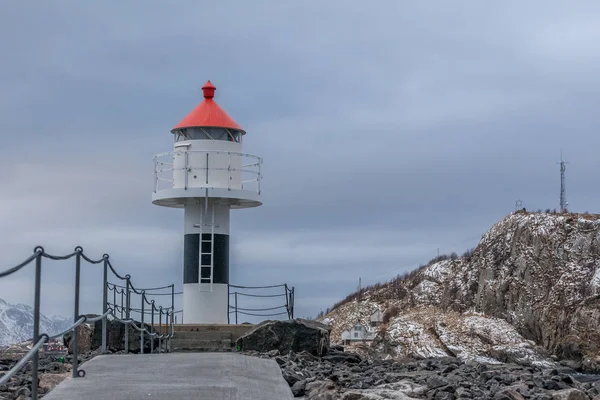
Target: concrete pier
[(210, 376)]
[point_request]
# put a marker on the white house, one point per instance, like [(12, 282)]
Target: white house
[(376, 318), (358, 333)]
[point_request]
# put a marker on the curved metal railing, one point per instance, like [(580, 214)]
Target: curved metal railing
[(39, 339), (278, 310), (236, 168), (125, 310)]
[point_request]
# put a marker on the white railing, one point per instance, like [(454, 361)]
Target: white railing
[(184, 169)]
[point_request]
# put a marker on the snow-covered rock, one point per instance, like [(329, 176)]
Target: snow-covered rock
[(534, 279), (16, 323)]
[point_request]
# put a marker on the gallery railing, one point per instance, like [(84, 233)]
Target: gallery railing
[(278, 309), (108, 309)]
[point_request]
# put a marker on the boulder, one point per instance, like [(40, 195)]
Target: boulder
[(84, 339), (295, 335), (90, 337), (569, 394)]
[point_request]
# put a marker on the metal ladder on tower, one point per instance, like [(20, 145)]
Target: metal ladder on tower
[(207, 250)]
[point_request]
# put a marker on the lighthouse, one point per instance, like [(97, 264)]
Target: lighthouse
[(207, 175)]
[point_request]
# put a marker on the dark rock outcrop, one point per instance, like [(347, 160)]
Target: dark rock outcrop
[(292, 335), (318, 378), (90, 337)]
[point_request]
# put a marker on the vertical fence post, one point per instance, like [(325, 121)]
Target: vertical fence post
[(127, 303), (228, 304), (287, 300), (114, 307), (122, 293), (142, 323), (36, 321), (172, 331), (75, 341), (236, 309), (160, 329), (293, 295), (152, 329), (168, 329), (105, 303)]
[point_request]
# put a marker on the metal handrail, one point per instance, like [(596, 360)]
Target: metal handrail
[(259, 312), (252, 168), (41, 338)]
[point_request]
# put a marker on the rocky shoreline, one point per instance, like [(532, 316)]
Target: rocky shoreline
[(51, 372), (346, 376)]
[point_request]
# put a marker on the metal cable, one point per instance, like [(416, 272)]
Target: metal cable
[(257, 287), (258, 295), (164, 294), (24, 263), (53, 257), (80, 321), (259, 315), (86, 258), (115, 272), (257, 309)]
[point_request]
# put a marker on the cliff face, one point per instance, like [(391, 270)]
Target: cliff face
[(535, 274)]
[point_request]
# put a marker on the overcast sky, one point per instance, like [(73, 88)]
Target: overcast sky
[(388, 130)]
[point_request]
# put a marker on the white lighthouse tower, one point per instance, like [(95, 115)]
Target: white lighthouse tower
[(206, 174)]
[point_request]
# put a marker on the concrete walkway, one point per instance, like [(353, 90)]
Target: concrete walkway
[(214, 376)]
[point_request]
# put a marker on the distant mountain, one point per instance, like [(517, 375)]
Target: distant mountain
[(16, 323)]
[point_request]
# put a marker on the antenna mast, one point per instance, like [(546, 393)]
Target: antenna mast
[(563, 191)]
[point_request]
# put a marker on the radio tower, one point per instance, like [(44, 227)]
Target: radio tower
[(563, 192)]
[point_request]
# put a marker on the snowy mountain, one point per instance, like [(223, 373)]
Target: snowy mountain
[(529, 293), (16, 323)]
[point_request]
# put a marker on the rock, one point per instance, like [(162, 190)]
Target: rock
[(298, 388), (84, 338), (508, 394), (569, 394), (291, 335)]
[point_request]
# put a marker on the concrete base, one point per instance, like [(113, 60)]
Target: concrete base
[(207, 376), (207, 337)]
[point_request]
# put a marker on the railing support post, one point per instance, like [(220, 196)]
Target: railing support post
[(75, 340), (36, 322), (105, 303), (236, 309), (152, 329), (142, 323), (127, 303), (160, 329)]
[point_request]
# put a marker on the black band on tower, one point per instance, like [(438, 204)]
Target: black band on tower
[(191, 257)]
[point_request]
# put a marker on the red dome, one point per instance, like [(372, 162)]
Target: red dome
[(208, 113)]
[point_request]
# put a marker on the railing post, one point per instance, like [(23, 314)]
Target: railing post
[(142, 323), (155, 175), (114, 290), (293, 295), (36, 321), (229, 172), (185, 172), (122, 295), (236, 309), (152, 329), (127, 303), (259, 174), (160, 329), (75, 341), (287, 300), (105, 304), (167, 327), (228, 304)]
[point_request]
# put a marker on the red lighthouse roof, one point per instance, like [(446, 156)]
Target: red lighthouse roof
[(208, 113)]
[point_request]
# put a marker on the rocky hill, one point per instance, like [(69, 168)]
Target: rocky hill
[(16, 323), (528, 293)]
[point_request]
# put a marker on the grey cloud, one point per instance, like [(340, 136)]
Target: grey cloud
[(414, 125)]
